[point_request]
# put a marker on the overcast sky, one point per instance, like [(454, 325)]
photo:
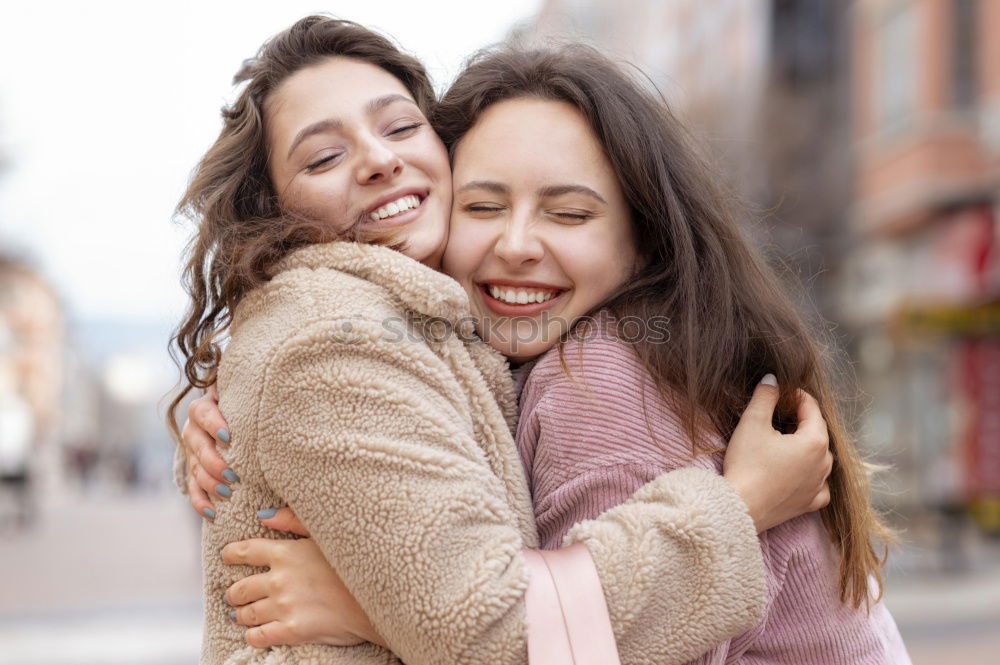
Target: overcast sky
[(105, 106)]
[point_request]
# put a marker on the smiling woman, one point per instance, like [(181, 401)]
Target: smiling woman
[(397, 454), (316, 130), (553, 193)]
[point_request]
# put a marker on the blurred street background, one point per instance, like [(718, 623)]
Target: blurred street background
[(863, 136)]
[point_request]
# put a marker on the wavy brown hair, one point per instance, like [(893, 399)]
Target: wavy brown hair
[(242, 229), (731, 320)]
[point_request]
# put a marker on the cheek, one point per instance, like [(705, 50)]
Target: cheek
[(465, 250), (319, 197), (599, 263), (433, 159)]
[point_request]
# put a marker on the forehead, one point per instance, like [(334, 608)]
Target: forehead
[(536, 138), (335, 88)]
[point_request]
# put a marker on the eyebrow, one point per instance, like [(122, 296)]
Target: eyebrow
[(332, 124), (551, 190), (559, 190), (488, 185)]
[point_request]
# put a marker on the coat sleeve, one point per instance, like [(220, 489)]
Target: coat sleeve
[(681, 567), (368, 448)]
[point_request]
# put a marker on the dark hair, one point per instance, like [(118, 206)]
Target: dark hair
[(242, 229), (731, 321)]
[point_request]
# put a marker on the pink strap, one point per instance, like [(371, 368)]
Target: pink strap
[(568, 622)]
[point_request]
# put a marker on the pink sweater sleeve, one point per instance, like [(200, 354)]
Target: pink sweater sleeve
[(589, 439)]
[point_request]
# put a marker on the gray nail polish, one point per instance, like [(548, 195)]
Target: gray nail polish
[(223, 490), (232, 615), (223, 435), (231, 476), (225, 600), (209, 513), (267, 513)]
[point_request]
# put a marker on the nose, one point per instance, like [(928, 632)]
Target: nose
[(378, 163), (519, 243)]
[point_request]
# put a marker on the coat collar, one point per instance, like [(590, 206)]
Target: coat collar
[(421, 289)]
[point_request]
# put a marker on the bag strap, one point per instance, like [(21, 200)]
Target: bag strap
[(568, 621)]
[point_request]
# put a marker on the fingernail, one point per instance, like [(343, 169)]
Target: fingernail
[(267, 513), (231, 476), (224, 599), (223, 490), (770, 380), (220, 557), (209, 513), (223, 435), (232, 615)]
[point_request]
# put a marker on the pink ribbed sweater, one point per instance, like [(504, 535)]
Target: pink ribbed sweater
[(591, 438)]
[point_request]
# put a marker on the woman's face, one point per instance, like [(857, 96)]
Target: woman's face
[(348, 144), (540, 228)]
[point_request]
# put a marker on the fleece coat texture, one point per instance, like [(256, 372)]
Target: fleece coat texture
[(357, 394)]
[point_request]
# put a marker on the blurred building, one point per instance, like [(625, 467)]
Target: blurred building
[(764, 85), (31, 342), (922, 287), (866, 137)]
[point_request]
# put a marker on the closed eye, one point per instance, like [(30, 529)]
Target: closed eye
[(572, 215), (322, 162), (483, 208), (406, 129)]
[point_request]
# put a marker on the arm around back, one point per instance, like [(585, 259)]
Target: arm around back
[(372, 448), (681, 567)]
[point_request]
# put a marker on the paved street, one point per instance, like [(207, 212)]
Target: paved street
[(114, 579), (103, 580)]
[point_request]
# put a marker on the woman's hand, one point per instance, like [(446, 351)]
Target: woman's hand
[(779, 476), (208, 475), (300, 600)]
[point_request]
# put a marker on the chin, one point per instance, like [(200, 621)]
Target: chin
[(503, 338), (425, 247)]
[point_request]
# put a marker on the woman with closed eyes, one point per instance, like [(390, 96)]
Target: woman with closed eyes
[(323, 213)]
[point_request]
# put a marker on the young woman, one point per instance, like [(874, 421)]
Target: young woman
[(572, 181), (362, 400), (576, 202)]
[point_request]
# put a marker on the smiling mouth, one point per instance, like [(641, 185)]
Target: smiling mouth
[(519, 300), (390, 210), (520, 296)]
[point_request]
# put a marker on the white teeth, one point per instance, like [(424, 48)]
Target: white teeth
[(399, 205), (520, 296)]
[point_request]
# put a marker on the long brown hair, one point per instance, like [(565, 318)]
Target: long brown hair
[(242, 230), (730, 320)]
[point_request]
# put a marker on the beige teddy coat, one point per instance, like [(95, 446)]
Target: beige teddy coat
[(357, 394)]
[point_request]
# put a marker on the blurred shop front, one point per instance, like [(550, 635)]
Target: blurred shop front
[(921, 290), (946, 334)]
